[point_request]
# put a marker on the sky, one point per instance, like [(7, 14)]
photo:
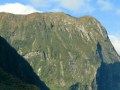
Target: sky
[(106, 11)]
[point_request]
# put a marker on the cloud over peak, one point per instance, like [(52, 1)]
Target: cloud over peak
[(17, 8), (61, 5), (116, 42), (105, 5)]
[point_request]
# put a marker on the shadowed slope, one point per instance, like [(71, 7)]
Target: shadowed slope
[(12, 63), (108, 76)]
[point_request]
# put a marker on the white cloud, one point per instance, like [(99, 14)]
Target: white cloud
[(55, 10), (42, 3), (17, 8), (77, 5), (71, 5), (105, 5), (116, 42), (118, 11)]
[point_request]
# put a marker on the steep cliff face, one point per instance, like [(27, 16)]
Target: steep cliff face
[(65, 52)]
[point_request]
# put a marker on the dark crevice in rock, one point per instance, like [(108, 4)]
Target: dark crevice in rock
[(44, 55), (79, 86), (52, 24), (99, 50), (94, 85)]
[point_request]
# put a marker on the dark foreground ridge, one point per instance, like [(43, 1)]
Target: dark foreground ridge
[(15, 71), (108, 76)]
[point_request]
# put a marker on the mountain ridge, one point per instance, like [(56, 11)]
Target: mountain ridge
[(64, 51)]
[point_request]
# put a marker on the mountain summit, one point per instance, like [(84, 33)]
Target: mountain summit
[(67, 53)]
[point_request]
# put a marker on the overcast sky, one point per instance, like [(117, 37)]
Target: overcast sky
[(106, 11)]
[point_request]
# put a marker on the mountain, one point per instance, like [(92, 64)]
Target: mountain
[(67, 53)]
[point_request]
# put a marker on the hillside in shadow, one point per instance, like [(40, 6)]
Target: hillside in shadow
[(108, 76), (14, 66)]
